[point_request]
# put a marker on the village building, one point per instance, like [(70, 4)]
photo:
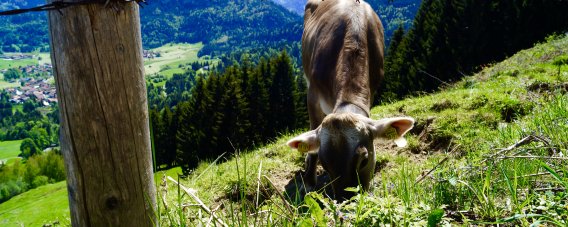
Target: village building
[(37, 88)]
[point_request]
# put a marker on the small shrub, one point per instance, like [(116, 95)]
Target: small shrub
[(513, 109), (443, 105), (39, 181), (478, 102)]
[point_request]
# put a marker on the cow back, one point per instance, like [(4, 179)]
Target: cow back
[(342, 51)]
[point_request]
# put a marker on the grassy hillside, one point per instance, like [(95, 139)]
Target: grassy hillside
[(494, 146), (9, 150), (490, 149), (44, 205)]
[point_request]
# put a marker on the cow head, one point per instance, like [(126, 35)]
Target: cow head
[(344, 143)]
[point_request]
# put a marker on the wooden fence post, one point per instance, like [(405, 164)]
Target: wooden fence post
[(105, 138)]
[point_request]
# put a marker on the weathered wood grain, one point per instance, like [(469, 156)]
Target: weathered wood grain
[(105, 137)]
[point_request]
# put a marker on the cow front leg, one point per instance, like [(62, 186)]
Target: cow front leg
[(310, 176)]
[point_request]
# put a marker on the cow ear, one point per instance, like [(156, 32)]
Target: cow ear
[(306, 142), (393, 129)]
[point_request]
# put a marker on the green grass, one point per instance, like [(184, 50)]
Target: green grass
[(460, 135), (173, 172), (9, 150), (6, 64), (43, 205), (172, 55), (4, 84), (467, 125)]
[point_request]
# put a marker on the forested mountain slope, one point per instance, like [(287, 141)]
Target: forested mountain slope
[(24, 32), (392, 13), (223, 26), (450, 39)]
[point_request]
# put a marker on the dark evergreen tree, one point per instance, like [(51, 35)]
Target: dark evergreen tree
[(452, 38), (169, 142), (238, 109), (156, 131), (301, 102), (396, 39), (258, 108), (281, 95), (189, 134), (234, 122)]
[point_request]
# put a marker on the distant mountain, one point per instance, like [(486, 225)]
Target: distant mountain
[(25, 32), (9, 4), (223, 26), (296, 6), (392, 12)]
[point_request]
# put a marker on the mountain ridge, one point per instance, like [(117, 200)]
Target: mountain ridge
[(223, 26)]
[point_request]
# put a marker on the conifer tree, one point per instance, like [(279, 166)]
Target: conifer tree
[(170, 128), (235, 122), (258, 108), (452, 38), (396, 39), (281, 94), (301, 102), (192, 126), (156, 132)]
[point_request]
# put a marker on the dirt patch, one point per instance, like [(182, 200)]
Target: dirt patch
[(543, 87), (289, 183), (295, 190), (443, 105), (428, 138), (478, 102), (270, 187), (511, 111)]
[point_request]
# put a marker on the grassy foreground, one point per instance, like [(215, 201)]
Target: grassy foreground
[(490, 149), (47, 204)]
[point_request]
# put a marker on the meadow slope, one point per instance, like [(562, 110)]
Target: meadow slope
[(47, 204), (489, 149)]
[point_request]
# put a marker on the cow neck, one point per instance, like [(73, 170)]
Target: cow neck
[(351, 108)]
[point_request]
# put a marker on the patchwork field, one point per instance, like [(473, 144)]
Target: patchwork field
[(9, 151), (5, 64), (167, 64), (171, 56)]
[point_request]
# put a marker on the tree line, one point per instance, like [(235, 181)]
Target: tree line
[(450, 39), (245, 106), (28, 122), (37, 170)]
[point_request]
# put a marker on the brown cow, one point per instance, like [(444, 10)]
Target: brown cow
[(342, 54)]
